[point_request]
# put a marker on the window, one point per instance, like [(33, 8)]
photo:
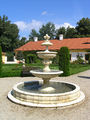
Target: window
[(87, 56)]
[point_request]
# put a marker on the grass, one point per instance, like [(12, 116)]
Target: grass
[(76, 68), (14, 70), (11, 70)]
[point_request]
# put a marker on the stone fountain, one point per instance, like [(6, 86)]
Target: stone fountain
[(46, 93)]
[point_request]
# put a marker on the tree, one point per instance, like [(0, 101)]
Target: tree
[(83, 27), (33, 34), (0, 60), (22, 41), (71, 33), (19, 55), (49, 29), (59, 31), (64, 61), (8, 34)]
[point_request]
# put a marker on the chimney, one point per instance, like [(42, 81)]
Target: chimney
[(35, 39), (61, 37)]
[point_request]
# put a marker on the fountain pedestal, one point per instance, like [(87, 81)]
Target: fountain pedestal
[(46, 81)]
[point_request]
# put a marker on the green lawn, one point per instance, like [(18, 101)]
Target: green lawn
[(76, 68), (13, 70)]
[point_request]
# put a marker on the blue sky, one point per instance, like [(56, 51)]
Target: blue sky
[(29, 14)]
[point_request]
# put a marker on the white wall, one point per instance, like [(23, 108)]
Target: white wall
[(74, 55), (11, 62)]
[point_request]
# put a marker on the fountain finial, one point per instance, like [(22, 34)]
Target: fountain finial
[(47, 37)]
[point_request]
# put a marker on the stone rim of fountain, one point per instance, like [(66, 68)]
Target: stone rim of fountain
[(61, 105)]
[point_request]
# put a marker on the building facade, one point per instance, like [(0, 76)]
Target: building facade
[(77, 46)]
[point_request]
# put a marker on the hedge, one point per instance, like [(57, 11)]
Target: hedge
[(64, 61)]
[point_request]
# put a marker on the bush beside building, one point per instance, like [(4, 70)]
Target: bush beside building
[(64, 61)]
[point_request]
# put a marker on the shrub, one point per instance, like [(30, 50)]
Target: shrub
[(64, 61), (10, 56), (19, 55), (26, 71), (55, 60), (32, 58), (79, 60), (0, 60)]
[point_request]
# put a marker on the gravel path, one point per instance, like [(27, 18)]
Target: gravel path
[(12, 111)]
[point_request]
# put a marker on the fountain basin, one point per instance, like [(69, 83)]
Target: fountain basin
[(50, 74), (29, 94)]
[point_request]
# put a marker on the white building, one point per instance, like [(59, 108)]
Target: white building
[(77, 46)]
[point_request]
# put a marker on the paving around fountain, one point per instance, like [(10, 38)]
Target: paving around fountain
[(12, 111)]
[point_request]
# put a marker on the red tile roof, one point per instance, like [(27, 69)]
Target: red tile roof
[(72, 44)]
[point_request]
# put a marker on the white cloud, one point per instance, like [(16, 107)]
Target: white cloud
[(34, 24), (63, 25), (44, 13), (23, 26)]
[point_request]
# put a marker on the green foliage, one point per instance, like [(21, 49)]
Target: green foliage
[(59, 31), (26, 71), (32, 58), (79, 60), (8, 34), (76, 68), (27, 60), (22, 41), (71, 33), (68, 32), (11, 70), (83, 26), (19, 55), (56, 59), (64, 61), (33, 34), (81, 30), (15, 70), (10, 56), (49, 29), (0, 60)]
